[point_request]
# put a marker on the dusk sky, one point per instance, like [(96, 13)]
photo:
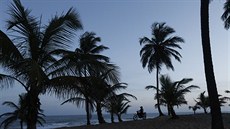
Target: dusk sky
[(120, 24)]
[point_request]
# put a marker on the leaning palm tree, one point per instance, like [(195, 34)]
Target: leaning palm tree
[(226, 15), (158, 51), (172, 93), (217, 121), (19, 113), (28, 55)]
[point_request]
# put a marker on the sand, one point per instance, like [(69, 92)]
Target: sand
[(199, 121)]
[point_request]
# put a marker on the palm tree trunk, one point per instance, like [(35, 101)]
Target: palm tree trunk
[(99, 114), (119, 117), (205, 110), (169, 112), (21, 124), (174, 116), (158, 102), (217, 122), (112, 117), (194, 112), (87, 111), (33, 106)]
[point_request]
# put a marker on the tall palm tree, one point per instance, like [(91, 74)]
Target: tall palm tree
[(19, 113), (217, 121), (172, 93), (85, 62), (158, 51), (203, 102), (27, 57), (226, 15)]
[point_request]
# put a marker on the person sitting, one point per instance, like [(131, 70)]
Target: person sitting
[(140, 113)]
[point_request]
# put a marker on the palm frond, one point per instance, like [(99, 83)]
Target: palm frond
[(145, 40), (8, 121), (77, 100), (150, 87), (8, 51), (60, 31), (226, 15), (10, 104)]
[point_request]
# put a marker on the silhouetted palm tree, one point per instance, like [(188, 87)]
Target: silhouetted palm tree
[(158, 51), (226, 15), (172, 93), (19, 113), (227, 91), (85, 62), (217, 122), (118, 104), (223, 100), (194, 108), (27, 57), (122, 105), (101, 92), (203, 102)]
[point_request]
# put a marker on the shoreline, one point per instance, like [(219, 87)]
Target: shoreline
[(197, 121)]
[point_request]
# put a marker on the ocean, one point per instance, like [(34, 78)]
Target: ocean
[(75, 120)]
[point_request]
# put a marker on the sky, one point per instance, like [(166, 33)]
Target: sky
[(120, 24)]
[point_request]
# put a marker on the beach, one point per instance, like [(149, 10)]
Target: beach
[(198, 121)]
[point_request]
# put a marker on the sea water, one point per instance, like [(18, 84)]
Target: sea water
[(75, 120)]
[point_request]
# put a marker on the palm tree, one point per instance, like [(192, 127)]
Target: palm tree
[(194, 108), (85, 62), (203, 102), (226, 15), (172, 93), (227, 91), (223, 100), (20, 113), (217, 122), (27, 57), (121, 106), (158, 50), (101, 91), (118, 103)]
